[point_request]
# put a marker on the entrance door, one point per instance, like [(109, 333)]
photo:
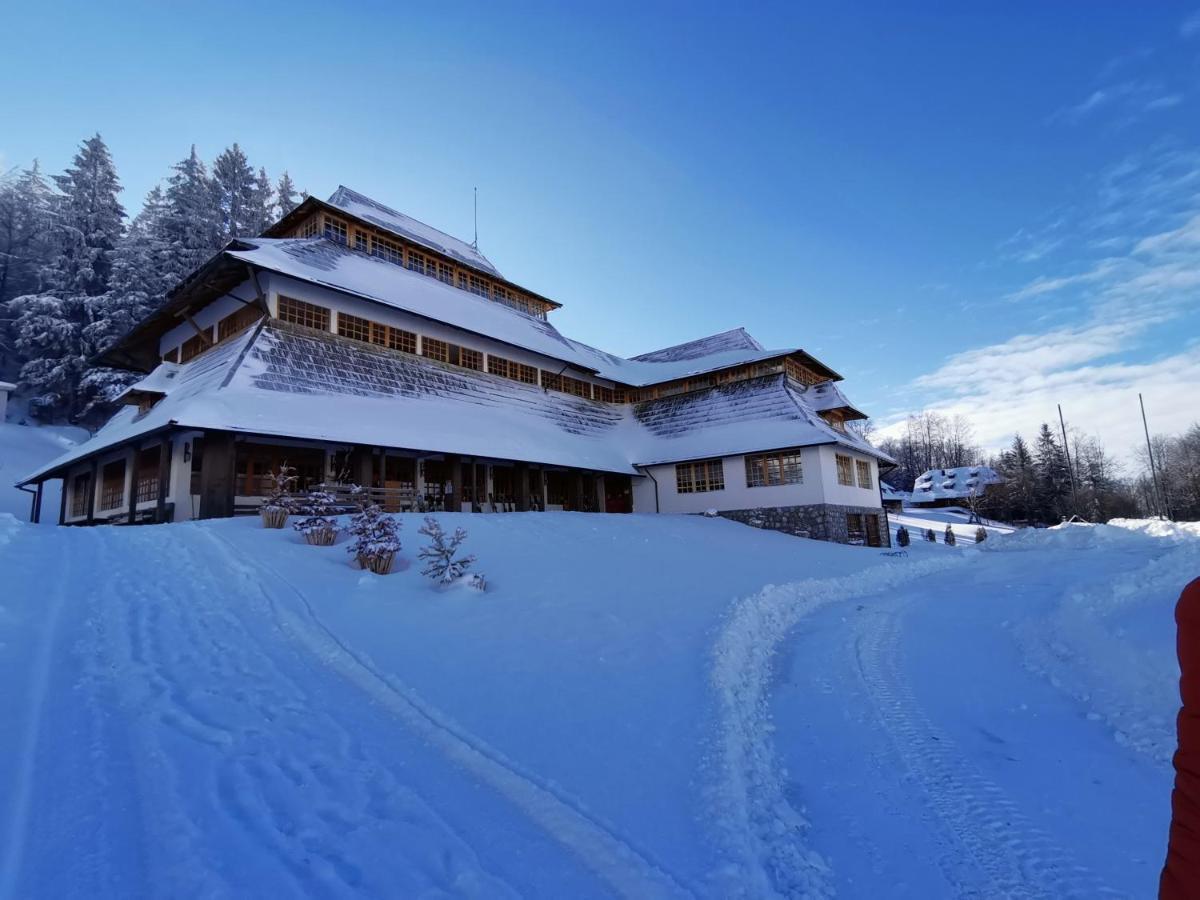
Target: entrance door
[(873, 531), (399, 483), (618, 494)]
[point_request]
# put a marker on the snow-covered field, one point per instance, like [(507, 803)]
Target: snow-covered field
[(639, 706), (918, 521)]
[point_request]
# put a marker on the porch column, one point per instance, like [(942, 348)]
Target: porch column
[(93, 478), (601, 504), (419, 479), (164, 479), (522, 475), (131, 461), (575, 490), (62, 500), (362, 466), (217, 476), (35, 513), (454, 499)]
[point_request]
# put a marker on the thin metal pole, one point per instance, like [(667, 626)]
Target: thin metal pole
[(1159, 507), (1070, 468)]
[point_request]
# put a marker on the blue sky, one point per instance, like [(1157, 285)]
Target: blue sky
[(976, 208)]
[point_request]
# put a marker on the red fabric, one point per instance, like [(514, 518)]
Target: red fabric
[(1181, 875)]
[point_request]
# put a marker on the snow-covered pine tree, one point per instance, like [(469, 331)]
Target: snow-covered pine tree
[(279, 503), (949, 538), (319, 528), (286, 198), (980, 534), (1053, 476), (262, 206), (191, 225), (902, 536), (88, 220), (47, 335), (376, 539), (235, 190), (25, 223), (439, 556), (930, 536)]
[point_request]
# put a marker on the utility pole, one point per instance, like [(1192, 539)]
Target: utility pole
[(1070, 468), (1159, 506)]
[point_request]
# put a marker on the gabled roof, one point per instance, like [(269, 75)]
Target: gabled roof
[(284, 380), (363, 207), (826, 396), (735, 339)]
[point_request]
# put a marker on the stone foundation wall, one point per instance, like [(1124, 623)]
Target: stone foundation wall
[(823, 521)]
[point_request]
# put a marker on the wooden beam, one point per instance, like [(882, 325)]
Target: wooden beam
[(164, 479), (204, 333), (217, 481), (92, 486), (62, 501), (454, 500), (131, 476), (522, 473)]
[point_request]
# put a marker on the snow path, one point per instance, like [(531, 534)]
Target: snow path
[(607, 854), (933, 762), (761, 833), (1015, 858)]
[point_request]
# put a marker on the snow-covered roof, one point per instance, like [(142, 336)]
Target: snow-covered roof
[(734, 339), (280, 379), (328, 263), (954, 484), (826, 396), (7, 386), (890, 493), (363, 207)]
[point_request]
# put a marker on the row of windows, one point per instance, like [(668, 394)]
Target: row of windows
[(299, 312), (793, 369), (764, 470), (423, 263), (847, 469)]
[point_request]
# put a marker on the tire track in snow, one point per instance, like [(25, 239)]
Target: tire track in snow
[(266, 754), (1014, 858), (626, 870), (761, 834)]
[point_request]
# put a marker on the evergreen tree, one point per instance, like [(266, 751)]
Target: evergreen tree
[(47, 334), (286, 198), (1020, 494), (235, 190), (25, 221), (191, 225), (262, 209), (88, 222), (1053, 476)]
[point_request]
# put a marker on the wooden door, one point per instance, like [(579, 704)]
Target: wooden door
[(872, 523)]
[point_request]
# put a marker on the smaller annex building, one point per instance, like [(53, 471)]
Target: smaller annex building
[(954, 487), (358, 345)]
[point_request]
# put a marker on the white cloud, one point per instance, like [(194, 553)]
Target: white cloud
[(1190, 26)]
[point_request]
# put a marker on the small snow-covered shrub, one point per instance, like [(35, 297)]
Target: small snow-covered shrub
[(930, 536), (980, 534), (902, 538), (440, 562), (320, 528), (949, 537), (711, 513), (376, 539), (280, 503)]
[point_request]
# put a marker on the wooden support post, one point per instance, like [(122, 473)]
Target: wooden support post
[(601, 500), (164, 479), (62, 502), (522, 475), (454, 498), (575, 492), (35, 515), (131, 461), (93, 477), (217, 476)]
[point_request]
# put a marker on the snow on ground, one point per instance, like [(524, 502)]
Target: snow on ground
[(639, 706), (23, 448), (918, 521)]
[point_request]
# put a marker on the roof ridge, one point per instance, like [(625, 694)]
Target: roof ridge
[(363, 198)]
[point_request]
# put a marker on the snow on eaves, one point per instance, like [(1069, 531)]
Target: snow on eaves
[(363, 207), (284, 380), (954, 484), (332, 265)]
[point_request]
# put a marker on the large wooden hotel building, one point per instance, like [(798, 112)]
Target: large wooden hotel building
[(356, 343)]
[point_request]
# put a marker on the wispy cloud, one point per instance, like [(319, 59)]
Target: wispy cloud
[(1190, 27), (1129, 99)]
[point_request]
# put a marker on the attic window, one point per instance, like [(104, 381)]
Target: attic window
[(237, 322), (416, 262), (300, 313), (336, 230), (435, 349), (384, 249)]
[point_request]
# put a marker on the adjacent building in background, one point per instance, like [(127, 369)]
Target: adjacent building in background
[(356, 344), (962, 486)]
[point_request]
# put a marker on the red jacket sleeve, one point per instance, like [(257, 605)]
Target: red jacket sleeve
[(1181, 875)]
